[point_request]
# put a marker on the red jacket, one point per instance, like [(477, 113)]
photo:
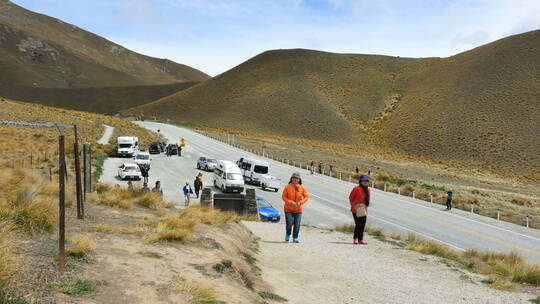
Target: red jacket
[(358, 196), (291, 196)]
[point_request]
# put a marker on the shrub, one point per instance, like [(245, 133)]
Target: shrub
[(430, 247), (271, 296), (199, 294)]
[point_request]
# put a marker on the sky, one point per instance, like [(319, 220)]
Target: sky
[(216, 35)]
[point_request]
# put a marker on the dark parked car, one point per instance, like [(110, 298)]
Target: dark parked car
[(174, 149), (154, 148)]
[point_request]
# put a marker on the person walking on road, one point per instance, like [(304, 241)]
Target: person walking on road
[(357, 170), (320, 168), (359, 200), (144, 172), (312, 167), (198, 184), (295, 196), (187, 192), (157, 188), (449, 200)]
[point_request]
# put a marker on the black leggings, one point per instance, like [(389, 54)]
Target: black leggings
[(448, 204), (360, 224)]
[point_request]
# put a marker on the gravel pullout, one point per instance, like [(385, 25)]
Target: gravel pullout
[(327, 268), (106, 135)]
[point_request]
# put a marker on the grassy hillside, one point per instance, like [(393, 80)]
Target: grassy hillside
[(108, 100), (477, 107), (41, 51)]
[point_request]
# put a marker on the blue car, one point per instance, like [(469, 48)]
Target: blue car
[(267, 212)]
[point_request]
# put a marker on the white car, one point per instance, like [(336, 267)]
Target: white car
[(129, 171), (270, 182), (207, 164), (142, 158)]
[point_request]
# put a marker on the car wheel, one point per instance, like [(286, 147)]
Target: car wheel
[(206, 168), (198, 166), (263, 186), (222, 188), (215, 184), (276, 190)]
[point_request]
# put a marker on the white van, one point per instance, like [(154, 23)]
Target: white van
[(227, 177), (127, 146), (252, 169)]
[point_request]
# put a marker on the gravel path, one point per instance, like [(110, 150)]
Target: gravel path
[(106, 135), (327, 268)]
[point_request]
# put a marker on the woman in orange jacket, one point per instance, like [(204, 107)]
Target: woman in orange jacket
[(359, 199), (294, 196)]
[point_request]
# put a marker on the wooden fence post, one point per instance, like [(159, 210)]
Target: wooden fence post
[(61, 206)]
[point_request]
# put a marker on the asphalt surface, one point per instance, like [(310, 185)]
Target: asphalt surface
[(329, 206)]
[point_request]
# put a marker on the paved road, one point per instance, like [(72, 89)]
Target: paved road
[(106, 135), (328, 205)]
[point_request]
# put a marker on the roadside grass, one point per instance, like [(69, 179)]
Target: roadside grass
[(77, 287), (98, 167), (198, 293), (267, 295), (115, 196), (80, 247), (104, 228), (180, 225), (502, 270), (27, 201), (150, 254), (8, 257)]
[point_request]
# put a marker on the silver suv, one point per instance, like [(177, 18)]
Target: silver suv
[(207, 164)]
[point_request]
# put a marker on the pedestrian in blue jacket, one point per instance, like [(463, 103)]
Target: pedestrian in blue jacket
[(187, 192)]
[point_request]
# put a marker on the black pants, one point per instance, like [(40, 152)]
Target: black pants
[(360, 225), (448, 204), (197, 190), (293, 219)]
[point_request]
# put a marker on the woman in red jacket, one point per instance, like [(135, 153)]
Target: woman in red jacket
[(295, 196), (359, 198)]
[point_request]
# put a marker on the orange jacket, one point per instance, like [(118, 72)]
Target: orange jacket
[(291, 195)]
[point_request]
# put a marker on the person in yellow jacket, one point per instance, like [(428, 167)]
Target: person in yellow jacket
[(295, 196)]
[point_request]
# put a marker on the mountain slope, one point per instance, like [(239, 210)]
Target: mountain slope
[(480, 106), (40, 51)]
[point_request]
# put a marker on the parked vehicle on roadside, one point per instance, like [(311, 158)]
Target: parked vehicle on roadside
[(252, 169), (129, 171), (268, 181), (227, 177), (142, 158), (207, 164), (267, 212), (174, 149), (127, 146), (154, 148)]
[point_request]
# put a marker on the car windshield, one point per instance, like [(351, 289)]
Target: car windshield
[(131, 168), (234, 176), (263, 203), (261, 169), (124, 145), (210, 160), (142, 156)]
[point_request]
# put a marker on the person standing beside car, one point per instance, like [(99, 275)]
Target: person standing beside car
[(295, 196), (359, 199)]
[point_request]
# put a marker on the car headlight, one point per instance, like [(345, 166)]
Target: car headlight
[(265, 214)]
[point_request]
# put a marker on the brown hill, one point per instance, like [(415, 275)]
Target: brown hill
[(107, 100), (40, 51), (480, 106)]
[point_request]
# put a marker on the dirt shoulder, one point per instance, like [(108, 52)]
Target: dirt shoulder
[(327, 268)]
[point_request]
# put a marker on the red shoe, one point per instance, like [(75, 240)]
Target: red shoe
[(355, 241), (363, 242)]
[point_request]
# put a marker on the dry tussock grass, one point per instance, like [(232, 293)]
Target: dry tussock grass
[(27, 201), (180, 226), (8, 257), (114, 196), (198, 293), (80, 246)]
